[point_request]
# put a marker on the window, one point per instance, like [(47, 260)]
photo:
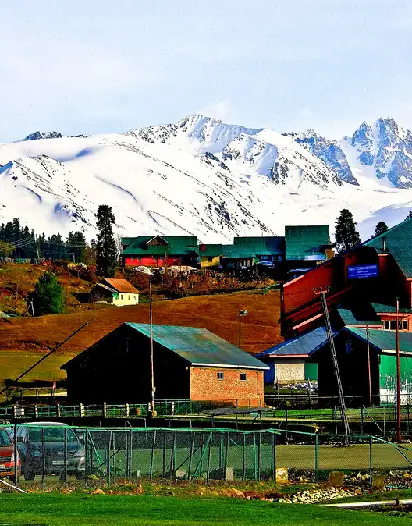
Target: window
[(210, 258), (220, 376), (121, 296), (391, 325), (243, 376)]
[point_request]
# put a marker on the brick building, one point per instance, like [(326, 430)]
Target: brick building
[(189, 363)]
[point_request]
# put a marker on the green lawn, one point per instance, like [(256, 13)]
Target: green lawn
[(77, 509)]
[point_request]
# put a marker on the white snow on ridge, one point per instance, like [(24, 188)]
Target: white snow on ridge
[(198, 176)]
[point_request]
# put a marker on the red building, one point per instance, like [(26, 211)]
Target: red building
[(159, 251), (377, 272)]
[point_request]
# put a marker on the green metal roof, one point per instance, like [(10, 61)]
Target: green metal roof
[(398, 242), (390, 309), (234, 252), (261, 246), (362, 314), (384, 340), (178, 245), (199, 346), (213, 249), (126, 241), (306, 242)]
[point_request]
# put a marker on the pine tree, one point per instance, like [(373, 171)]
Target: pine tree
[(106, 255), (346, 235), (48, 296), (381, 228)]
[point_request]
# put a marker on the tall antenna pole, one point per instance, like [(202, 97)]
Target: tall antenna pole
[(369, 365), (329, 333), (398, 376), (152, 385)]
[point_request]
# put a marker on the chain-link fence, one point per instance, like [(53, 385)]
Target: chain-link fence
[(42, 451)]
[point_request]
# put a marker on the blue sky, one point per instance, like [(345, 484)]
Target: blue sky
[(95, 66)]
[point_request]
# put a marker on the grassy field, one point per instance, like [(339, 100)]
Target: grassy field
[(84, 509)]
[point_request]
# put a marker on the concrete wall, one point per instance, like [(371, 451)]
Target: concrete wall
[(205, 385), (292, 370)]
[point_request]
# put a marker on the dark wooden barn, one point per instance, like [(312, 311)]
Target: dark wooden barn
[(189, 363)]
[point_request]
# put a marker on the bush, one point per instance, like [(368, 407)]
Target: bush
[(48, 296)]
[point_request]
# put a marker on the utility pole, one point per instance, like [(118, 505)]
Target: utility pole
[(322, 293), (369, 365), (152, 384), (398, 376)]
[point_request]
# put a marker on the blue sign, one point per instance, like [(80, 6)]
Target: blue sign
[(363, 271)]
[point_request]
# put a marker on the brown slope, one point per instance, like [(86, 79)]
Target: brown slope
[(217, 313)]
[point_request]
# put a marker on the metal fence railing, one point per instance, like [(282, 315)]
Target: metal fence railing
[(63, 452)]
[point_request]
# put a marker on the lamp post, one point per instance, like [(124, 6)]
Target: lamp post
[(241, 312)]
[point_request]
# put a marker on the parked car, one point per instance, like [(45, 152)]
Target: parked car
[(7, 459), (42, 445)]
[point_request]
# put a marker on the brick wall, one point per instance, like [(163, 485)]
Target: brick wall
[(205, 385)]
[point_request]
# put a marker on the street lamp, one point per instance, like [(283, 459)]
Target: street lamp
[(241, 312)]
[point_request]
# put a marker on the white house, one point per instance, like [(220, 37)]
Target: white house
[(119, 292)]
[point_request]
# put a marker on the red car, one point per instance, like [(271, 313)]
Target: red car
[(7, 459)]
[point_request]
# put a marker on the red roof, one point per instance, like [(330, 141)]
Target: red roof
[(121, 285)]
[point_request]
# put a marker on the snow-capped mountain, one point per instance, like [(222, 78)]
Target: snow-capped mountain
[(207, 178)]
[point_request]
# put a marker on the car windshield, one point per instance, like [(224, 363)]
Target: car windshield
[(4, 438), (51, 434)]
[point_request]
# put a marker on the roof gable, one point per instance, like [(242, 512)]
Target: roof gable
[(398, 242)]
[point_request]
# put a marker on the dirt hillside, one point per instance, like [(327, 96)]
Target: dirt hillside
[(218, 313)]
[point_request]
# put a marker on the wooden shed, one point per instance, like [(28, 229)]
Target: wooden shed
[(189, 363)]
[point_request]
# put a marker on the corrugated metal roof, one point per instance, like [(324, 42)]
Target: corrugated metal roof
[(210, 250), (306, 242), (359, 315), (390, 309), (179, 245), (303, 344), (261, 245), (234, 252), (384, 340), (198, 346), (120, 285), (398, 242)]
